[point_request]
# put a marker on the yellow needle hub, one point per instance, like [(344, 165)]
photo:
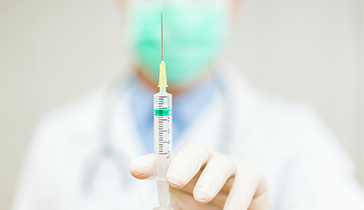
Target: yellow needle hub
[(162, 75)]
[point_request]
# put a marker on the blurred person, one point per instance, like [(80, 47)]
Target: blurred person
[(238, 148)]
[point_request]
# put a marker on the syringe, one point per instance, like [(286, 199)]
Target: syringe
[(162, 133)]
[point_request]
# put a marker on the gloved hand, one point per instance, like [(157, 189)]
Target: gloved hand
[(203, 179)]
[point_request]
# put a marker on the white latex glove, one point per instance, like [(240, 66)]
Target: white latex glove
[(202, 179)]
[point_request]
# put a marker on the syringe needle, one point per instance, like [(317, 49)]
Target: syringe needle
[(162, 35), (162, 66)]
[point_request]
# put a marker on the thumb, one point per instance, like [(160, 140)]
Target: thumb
[(143, 167)]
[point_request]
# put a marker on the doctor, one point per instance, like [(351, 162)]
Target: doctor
[(236, 147)]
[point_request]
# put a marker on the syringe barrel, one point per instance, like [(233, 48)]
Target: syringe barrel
[(162, 132)]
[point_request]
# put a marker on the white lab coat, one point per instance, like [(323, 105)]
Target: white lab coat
[(305, 165)]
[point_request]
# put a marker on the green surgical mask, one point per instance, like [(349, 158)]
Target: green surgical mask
[(194, 35)]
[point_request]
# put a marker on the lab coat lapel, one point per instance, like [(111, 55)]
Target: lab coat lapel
[(125, 136), (232, 100), (206, 128), (115, 188), (126, 140)]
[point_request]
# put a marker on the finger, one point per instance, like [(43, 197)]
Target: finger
[(187, 163), (143, 167), (261, 198), (218, 169), (249, 183), (187, 190)]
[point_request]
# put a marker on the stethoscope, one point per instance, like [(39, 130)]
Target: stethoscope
[(108, 151)]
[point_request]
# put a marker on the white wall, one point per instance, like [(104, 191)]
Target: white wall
[(53, 51), (310, 51)]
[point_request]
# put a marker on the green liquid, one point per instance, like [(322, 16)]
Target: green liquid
[(163, 112)]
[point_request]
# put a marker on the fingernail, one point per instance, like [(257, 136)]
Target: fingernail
[(174, 177), (135, 169), (132, 167), (200, 194)]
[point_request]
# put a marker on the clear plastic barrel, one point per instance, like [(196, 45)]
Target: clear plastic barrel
[(162, 143), (162, 132)]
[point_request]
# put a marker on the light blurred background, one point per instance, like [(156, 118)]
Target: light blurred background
[(53, 51)]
